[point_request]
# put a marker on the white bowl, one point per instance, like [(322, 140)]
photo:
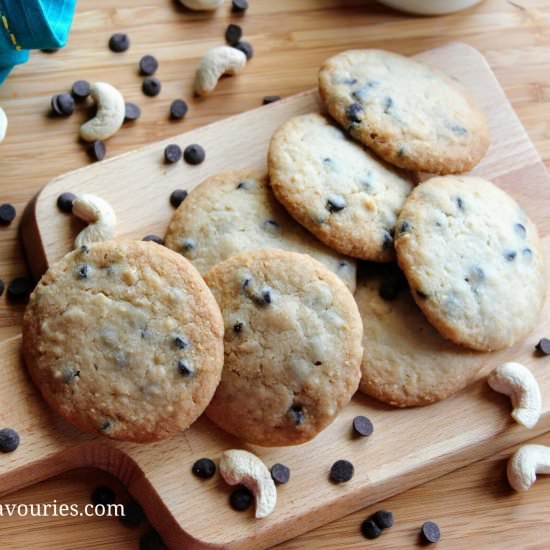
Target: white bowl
[(430, 7)]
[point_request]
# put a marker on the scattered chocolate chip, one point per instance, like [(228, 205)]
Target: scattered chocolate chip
[(388, 104), (62, 104), (194, 154), (178, 109), (239, 6), (297, 414), (103, 495), (184, 369), (318, 363), (97, 150), (354, 112), (148, 65), (172, 153), (180, 342), (520, 230), (383, 519), (233, 34), (271, 226), (370, 530), (475, 276), (177, 197), (280, 473), (7, 213), (9, 440), (133, 515), (240, 499), (105, 426), (80, 90), (2, 287), (84, 249), (19, 288), (70, 374), (83, 271), (527, 253), (151, 540), (362, 426), (237, 327), (204, 468), (151, 86), (245, 185), (131, 112), (430, 532), (188, 244), (543, 346), (335, 203), (387, 241), (263, 298), (246, 48), (153, 238), (460, 203), (119, 42), (270, 99), (49, 50), (401, 152), (65, 202), (341, 471)]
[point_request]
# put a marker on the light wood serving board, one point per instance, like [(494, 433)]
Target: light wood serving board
[(407, 448)]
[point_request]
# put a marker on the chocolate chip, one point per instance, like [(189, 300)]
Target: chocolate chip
[(194, 154), (80, 90), (401, 152), (19, 288), (458, 130), (65, 202), (62, 105), (70, 374), (204, 468), (520, 230), (97, 150), (237, 327), (370, 530), (421, 295), (152, 541), (362, 426), (177, 197), (131, 112), (527, 253), (151, 86), (83, 271), (245, 185), (387, 241), (388, 104), (9, 440), (2, 287), (510, 255), (335, 203), (341, 471), (184, 369), (178, 109), (148, 65), (460, 203), (181, 342), (430, 532), (297, 414), (405, 227), (354, 112), (133, 515), (188, 244), (543, 346), (7, 213), (246, 48), (271, 226), (103, 495), (270, 99), (475, 276), (383, 519), (153, 238), (280, 473), (263, 298), (239, 6), (105, 426), (172, 153), (318, 363), (240, 499), (119, 42), (84, 249), (233, 34)]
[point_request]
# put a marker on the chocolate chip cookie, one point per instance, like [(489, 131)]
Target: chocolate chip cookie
[(292, 347), (124, 339)]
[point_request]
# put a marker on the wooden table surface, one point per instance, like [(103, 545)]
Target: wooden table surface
[(291, 39)]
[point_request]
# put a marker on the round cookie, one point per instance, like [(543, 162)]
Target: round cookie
[(124, 339), (292, 347), (236, 212), (342, 193), (406, 361), (413, 116), (474, 260)]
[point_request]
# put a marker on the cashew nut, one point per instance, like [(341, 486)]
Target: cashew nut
[(241, 467), (110, 113), (217, 62), (100, 216), (3, 124), (520, 385), (202, 5), (525, 464)]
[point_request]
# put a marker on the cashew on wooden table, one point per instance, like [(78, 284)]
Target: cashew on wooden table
[(217, 62), (3, 124), (100, 216), (244, 468), (202, 5), (517, 381), (525, 464), (110, 113)]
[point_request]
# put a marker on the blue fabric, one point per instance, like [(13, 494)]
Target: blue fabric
[(32, 24)]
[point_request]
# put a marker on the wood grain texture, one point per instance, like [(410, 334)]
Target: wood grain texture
[(292, 38)]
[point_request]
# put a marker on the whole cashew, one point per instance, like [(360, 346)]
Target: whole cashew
[(241, 467), (100, 216), (3, 124), (202, 5), (525, 464), (110, 113), (521, 386), (217, 62)]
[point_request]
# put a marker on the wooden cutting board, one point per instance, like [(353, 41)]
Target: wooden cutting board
[(407, 448)]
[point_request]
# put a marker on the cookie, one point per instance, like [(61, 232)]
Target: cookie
[(124, 339), (413, 116), (473, 259), (342, 193), (406, 361), (236, 212), (292, 347)]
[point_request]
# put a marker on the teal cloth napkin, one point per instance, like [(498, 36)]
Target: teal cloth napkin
[(31, 24)]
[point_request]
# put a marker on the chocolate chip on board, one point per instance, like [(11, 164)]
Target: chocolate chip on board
[(362, 426), (133, 515), (80, 90), (97, 150), (543, 346), (148, 65), (154, 239), (20, 288), (62, 105), (341, 471), (177, 197), (131, 112), (430, 532), (270, 99), (239, 6), (119, 42), (7, 213), (205, 468), (178, 109), (2, 287), (194, 154), (280, 473), (65, 202), (172, 153), (370, 530), (233, 34), (103, 495), (151, 86), (240, 499), (383, 519), (9, 440), (246, 48)]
